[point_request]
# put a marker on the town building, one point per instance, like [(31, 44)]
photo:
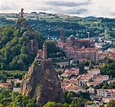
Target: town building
[(15, 81), (4, 85), (106, 100), (93, 84), (91, 90), (70, 72), (79, 50), (94, 71), (106, 93), (101, 78)]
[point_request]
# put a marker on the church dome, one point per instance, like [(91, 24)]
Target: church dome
[(72, 37)]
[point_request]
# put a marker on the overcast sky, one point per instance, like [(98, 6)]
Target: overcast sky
[(105, 8)]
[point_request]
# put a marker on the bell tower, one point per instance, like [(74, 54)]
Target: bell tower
[(44, 51), (63, 39)]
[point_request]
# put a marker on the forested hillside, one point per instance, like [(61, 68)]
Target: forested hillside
[(19, 44), (78, 27), (49, 25), (16, 50)]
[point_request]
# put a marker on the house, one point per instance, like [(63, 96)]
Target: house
[(74, 88), (93, 83), (99, 45), (63, 64), (112, 50), (65, 82), (85, 78), (111, 81), (61, 45), (17, 90), (111, 56), (101, 56), (74, 80), (69, 72), (4, 85), (106, 100), (112, 91), (86, 68), (91, 90), (106, 92), (94, 71), (17, 80), (101, 78)]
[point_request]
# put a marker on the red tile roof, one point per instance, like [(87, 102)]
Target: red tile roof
[(5, 85)]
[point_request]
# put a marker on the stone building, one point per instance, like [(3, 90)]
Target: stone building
[(63, 38), (81, 50)]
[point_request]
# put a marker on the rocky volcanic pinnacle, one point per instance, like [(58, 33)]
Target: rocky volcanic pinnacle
[(32, 44), (42, 83)]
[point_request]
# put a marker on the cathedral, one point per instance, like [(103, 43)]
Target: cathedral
[(80, 50)]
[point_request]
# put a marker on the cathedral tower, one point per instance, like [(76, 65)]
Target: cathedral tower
[(44, 51), (63, 39)]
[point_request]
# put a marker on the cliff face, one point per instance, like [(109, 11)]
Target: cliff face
[(42, 83), (32, 44)]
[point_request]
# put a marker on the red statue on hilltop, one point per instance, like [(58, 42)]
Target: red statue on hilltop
[(22, 13)]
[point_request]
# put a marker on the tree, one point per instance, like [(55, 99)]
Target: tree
[(69, 97), (101, 106), (73, 104), (112, 85), (59, 71), (105, 86), (50, 104), (91, 80), (65, 105), (14, 99), (85, 86), (54, 104), (86, 63), (81, 67), (111, 104), (17, 85), (12, 83)]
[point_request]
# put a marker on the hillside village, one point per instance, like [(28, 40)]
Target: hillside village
[(72, 80), (80, 70)]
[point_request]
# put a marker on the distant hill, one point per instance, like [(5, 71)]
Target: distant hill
[(90, 17), (49, 25)]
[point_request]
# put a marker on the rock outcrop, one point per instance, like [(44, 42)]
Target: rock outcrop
[(21, 22), (42, 83), (26, 30), (32, 44)]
